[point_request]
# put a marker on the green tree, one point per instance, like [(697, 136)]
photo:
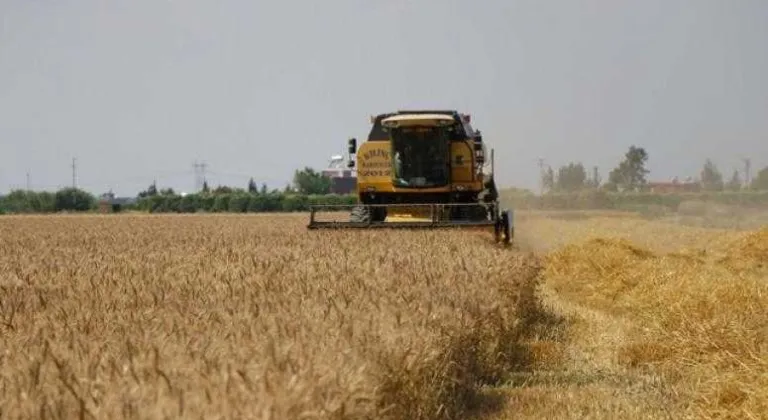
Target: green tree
[(571, 177), (19, 201), (74, 199), (548, 179), (735, 183), (44, 202), (223, 189), (238, 202), (711, 178), (760, 182), (252, 186), (308, 181), (150, 191), (630, 173), (189, 203), (221, 203)]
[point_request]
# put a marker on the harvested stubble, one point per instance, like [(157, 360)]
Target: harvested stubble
[(252, 316), (701, 319)]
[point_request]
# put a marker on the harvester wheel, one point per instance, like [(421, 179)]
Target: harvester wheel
[(360, 214), (503, 227), (506, 224), (497, 229)]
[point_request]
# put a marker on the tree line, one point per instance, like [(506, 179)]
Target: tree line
[(309, 187), (223, 199), (226, 199), (601, 199), (306, 181), (66, 199), (571, 186), (630, 175)]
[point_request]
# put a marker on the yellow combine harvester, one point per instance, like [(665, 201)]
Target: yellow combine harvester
[(422, 169)]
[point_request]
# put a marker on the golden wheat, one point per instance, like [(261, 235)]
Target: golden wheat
[(252, 316), (699, 317)]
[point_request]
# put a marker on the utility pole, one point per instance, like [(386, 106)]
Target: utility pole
[(199, 168), (595, 177), (541, 176), (29, 188), (747, 175), (196, 169), (74, 172)]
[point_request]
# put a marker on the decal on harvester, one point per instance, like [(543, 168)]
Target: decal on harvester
[(373, 172), (375, 163), (375, 153)]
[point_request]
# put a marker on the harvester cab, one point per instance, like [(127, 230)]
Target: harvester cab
[(422, 169)]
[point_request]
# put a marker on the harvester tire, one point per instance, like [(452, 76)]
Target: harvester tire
[(360, 214), (506, 225), (503, 228)]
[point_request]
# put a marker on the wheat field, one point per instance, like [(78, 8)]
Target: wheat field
[(662, 321), (253, 316)]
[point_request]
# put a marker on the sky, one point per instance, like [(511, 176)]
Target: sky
[(138, 90)]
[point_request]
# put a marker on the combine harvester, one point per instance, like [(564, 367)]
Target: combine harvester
[(422, 170)]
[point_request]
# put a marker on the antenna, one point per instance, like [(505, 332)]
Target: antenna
[(493, 165)]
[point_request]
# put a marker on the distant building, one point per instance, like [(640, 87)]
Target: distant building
[(343, 180), (109, 203), (675, 186)]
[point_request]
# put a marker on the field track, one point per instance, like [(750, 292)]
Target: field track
[(251, 316)]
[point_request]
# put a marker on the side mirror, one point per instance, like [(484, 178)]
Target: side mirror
[(352, 149)]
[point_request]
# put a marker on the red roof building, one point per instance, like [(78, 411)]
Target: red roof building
[(674, 186)]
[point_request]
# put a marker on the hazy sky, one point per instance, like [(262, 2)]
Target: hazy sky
[(140, 89)]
